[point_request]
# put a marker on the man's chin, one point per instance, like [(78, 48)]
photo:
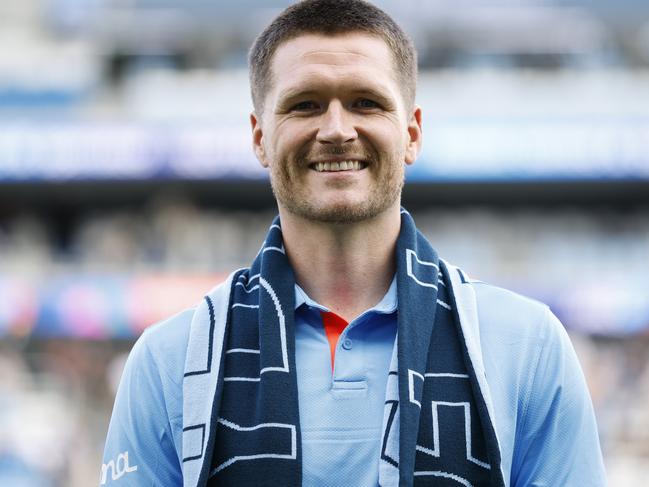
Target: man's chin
[(336, 213)]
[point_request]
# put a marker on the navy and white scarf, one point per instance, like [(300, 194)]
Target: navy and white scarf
[(436, 426)]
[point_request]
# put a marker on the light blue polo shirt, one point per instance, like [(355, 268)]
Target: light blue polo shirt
[(541, 407), (341, 415)]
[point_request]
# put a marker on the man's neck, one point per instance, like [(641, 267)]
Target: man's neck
[(346, 267)]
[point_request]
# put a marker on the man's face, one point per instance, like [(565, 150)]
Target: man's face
[(335, 131)]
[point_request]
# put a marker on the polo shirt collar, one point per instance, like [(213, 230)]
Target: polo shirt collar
[(388, 303)]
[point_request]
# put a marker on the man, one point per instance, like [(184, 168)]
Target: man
[(349, 354)]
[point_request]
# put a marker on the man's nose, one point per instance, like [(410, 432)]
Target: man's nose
[(336, 126)]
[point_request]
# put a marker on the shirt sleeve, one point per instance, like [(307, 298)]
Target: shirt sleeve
[(557, 441), (139, 448)]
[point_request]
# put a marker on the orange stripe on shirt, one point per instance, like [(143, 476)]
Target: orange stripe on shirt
[(333, 326)]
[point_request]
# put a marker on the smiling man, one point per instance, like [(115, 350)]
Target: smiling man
[(336, 128), (349, 353)]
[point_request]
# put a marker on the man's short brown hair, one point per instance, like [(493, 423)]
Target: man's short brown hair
[(331, 17)]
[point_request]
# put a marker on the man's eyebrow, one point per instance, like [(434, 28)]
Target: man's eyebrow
[(293, 93), (374, 93)]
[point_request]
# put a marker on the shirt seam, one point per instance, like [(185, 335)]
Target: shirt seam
[(167, 429), (536, 374)]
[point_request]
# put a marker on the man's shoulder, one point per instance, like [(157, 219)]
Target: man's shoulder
[(161, 350), (507, 312), (168, 336), (492, 297), (487, 292)]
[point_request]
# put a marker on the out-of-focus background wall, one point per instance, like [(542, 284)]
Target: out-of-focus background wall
[(128, 189)]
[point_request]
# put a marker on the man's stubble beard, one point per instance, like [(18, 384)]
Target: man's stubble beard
[(294, 197)]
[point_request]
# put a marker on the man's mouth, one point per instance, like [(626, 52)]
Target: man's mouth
[(352, 165)]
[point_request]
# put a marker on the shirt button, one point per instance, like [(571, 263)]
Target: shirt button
[(347, 344)]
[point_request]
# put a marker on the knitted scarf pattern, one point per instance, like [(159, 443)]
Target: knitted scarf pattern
[(436, 425)]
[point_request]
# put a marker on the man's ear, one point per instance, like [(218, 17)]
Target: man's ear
[(413, 146), (258, 139)]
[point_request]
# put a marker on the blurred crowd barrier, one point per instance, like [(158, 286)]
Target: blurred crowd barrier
[(589, 265)]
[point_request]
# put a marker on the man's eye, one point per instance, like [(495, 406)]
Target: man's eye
[(305, 106), (367, 103)]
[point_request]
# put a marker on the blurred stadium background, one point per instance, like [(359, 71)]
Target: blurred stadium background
[(128, 189)]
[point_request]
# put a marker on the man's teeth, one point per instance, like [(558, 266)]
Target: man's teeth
[(338, 166)]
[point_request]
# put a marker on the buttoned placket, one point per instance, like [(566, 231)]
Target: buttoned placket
[(349, 374), (349, 371)]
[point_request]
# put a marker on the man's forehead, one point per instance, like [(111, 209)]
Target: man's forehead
[(318, 59), (352, 48)]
